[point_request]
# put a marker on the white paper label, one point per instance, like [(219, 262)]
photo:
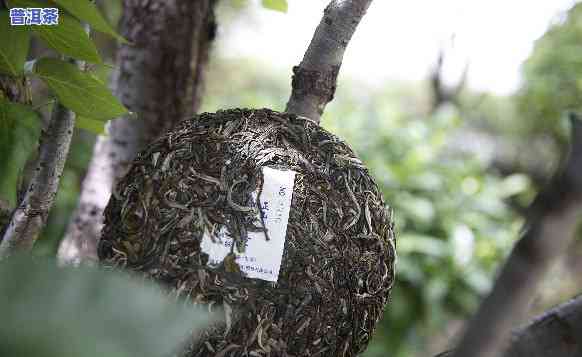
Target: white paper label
[(262, 257)]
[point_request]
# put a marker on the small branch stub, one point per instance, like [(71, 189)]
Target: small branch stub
[(314, 80)]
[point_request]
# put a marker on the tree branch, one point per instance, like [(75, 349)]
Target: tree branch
[(552, 220), (29, 218), (314, 80), (554, 333), (442, 94), (158, 76)]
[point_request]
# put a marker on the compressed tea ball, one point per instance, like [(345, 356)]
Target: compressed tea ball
[(266, 217)]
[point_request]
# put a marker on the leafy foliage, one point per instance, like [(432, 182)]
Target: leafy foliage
[(87, 11), (277, 5), (19, 128), (93, 125), (81, 92), (13, 47), (453, 225), (452, 222), (69, 38), (70, 312), (551, 69)]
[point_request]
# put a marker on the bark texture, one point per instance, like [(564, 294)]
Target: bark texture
[(314, 80), (556, 333), (551, 223), (29, 218), (159, 77)]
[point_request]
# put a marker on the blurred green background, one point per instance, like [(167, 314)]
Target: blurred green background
[(458, 176)]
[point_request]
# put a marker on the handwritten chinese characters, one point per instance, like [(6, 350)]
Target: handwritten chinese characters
[(262, 257)]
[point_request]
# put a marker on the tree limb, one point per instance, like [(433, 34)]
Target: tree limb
[(314, 80), (158, 76), (30, 217), (554, 333), (552, 220)]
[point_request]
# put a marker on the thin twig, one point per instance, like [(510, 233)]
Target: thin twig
[(314, 80), (552, 221)]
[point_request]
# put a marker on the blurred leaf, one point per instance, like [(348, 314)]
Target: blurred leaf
[(72, 312), (417, 243), (421, 209), (92, 125), (277, 5), (19, 131), (514, 184), (18, 113), (79, 91), (86, 11), (551, 85), (13, 46), (462, 244)]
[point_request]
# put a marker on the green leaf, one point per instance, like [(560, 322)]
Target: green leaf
[(79, 91), (13, 46), (68, 37), (86, 11), (277, 5), (92, 125), (19, 129), (72, 312), (18, 114)]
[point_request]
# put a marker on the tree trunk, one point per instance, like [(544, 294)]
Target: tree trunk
[(552, 221), (159, 77)]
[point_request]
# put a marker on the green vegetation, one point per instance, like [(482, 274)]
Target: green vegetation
[(453, 225), (552, 84), (71, 312), (452, 218)]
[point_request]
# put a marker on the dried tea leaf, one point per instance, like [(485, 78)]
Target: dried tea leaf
[(338, 262)]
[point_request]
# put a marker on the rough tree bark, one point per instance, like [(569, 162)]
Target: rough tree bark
[(159, 77), (314, 80), (556, 333), (551, 223), (29, 218)]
